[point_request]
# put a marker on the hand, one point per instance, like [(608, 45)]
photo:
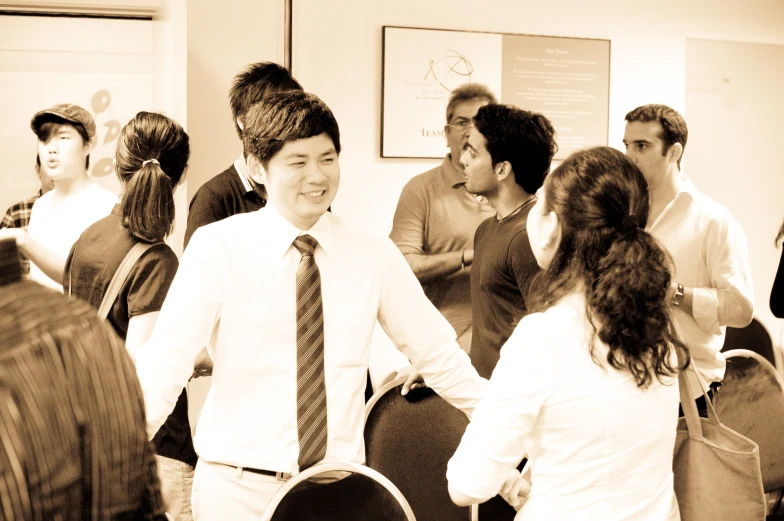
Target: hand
[(468, 256), (414, 380), (515, 489), (17, 234), (202, 366)]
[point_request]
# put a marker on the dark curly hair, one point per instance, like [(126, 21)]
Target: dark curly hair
[(601, 200), (525, 139)]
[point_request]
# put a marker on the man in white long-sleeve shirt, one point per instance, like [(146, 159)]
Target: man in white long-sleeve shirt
[(296, 293), (711, 286)]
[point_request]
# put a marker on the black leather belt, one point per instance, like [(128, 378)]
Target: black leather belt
[(280, 476)]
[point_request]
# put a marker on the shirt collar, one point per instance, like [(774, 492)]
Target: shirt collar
[(687, 189), (242, 169), (281, 233), (454, 177)]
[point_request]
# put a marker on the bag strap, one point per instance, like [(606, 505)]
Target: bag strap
[(690, 407), (120, 275)]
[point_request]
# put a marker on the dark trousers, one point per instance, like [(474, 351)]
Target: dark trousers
[(702, 407)]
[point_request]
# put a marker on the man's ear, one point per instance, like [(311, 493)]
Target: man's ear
[(502, 170), (675, 151), (257, 171)]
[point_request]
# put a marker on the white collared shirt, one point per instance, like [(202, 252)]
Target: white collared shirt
[(241, 271), (599, 447), (711, 255)]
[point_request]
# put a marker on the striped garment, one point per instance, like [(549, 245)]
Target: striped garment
[(18, 216), (72, 429)]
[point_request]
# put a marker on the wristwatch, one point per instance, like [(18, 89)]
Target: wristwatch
[(677, 299)]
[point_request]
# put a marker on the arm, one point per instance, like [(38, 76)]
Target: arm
[(192, 306), (424, 336), (408, 233), (48, 261), (777, 292), (729, 299), (493, 444), (139, 331)]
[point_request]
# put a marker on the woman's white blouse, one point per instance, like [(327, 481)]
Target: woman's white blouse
[(599, 447)]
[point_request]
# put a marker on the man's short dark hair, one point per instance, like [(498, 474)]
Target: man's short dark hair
[(525, 139), (283, 117), (254, 83), (50, 126), (468, 92), (673, 125)]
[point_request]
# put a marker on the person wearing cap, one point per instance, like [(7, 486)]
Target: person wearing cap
[(65, 137)]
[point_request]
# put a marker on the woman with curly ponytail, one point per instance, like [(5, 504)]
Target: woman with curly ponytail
[(586, 387)]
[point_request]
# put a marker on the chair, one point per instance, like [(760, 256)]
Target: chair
[(338, 491), (410, 439), (750, 401), (753, 337)]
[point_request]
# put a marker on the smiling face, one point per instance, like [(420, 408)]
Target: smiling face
[(63, 153), (302, 179)]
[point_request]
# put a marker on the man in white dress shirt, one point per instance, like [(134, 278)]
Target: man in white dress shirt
[(297, 292), (711, 287)]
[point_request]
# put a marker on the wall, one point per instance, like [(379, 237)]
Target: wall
[(648, 65), (223, 37), (45, 61), (735, 109)]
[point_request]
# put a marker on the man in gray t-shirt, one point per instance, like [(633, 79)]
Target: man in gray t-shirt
[(436, 218)]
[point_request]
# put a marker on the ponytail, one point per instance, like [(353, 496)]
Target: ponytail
[(148, 203), (627, 299)]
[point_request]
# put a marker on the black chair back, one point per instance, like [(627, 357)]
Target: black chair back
[(753, 337), (410, 439), (339, 492)]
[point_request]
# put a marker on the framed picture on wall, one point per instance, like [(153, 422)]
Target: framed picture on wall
[(566, 79)]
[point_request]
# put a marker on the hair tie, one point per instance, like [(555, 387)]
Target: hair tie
[(144, 163), (629, 223)]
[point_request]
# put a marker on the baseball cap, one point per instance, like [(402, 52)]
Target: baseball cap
[(68, 112)]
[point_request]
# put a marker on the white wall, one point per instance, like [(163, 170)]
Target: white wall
[(45, 61), (648, 65), (735, 111), (343, 66)]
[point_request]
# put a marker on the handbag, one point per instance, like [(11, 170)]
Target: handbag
[(716, 470)]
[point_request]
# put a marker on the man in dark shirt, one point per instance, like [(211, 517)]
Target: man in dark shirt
[(73, 444), (506, 159), (235, 190)]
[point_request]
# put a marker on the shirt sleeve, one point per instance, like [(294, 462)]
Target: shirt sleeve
[(203, 210), (520, 258), (408, 225), (150, 279), (729, 300), (777, 292), (424, 336), (185, 324), (494, 441)]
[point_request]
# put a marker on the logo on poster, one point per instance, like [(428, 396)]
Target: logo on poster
[(450, 70)]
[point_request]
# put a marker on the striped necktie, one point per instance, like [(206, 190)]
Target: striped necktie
[(311, 390)]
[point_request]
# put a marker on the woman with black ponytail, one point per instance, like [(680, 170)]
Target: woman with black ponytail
[(151, 160), (586, 387)]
